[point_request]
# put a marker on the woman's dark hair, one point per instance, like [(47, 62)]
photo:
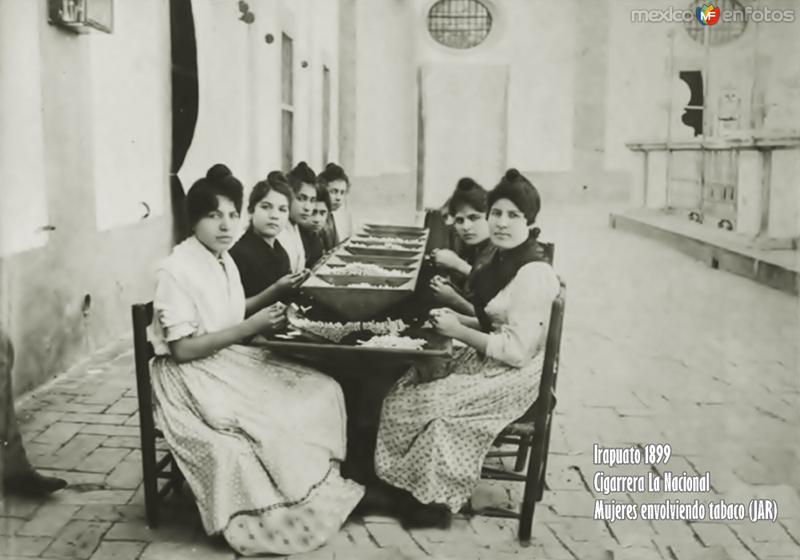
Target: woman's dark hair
[(301, 174), (218, 171), (275, 181), (333, 173), (518, 190), (202, 196), (324, 196), (467, 193)]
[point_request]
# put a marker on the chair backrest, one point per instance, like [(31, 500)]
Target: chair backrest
[(441, 235), (539, 410), (142, 314), (549, 251)]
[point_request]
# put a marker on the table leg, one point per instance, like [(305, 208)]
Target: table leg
[(364, 399)]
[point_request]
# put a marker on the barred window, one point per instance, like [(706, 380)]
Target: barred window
[(459, 24), (732, 22)]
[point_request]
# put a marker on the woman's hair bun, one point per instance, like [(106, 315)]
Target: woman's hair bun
[(535, 233), (466, 184), (274, 177), (218, 171), (333, 172), (512, 175), (302, 173)]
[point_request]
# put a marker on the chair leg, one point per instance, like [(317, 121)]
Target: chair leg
[(526, 522), (543, 475), (150, 480), (534, 483), (529, 494), (522, 455)]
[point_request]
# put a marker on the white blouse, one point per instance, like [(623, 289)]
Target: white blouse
[(291, 241), (343, 221), (520, 314), (196, 293)]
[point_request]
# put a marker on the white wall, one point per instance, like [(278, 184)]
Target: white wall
[(535, 39), (76, 144), (23, 203), (637, 91), (641, 90), (131, 112), (315, 42), (223, 122), (386, 94), (129, 118), (239, 74)]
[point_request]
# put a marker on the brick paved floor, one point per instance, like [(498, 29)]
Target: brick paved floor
[(657, 348)]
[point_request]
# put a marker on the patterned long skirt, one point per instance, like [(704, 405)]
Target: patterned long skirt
[(260, 440), (433, 436)]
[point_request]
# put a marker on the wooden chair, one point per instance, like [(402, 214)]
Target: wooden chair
[(522, 450), (531, 433), (441, 236), (153, 466)]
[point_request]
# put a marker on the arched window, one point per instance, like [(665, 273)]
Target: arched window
[(459, 24)]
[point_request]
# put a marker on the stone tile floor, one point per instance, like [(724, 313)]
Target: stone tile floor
[(657, 348)]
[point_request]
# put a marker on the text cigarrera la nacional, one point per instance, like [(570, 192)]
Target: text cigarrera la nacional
[(605, 484)]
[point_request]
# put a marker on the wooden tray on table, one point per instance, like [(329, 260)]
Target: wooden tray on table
[(361, 298), (378, 251), (398, 230), (381, 260)]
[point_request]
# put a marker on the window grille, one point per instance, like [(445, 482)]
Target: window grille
[(459, 24)]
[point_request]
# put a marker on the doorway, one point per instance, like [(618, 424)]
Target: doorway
[(463, 128)]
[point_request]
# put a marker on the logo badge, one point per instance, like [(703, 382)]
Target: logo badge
[(708, 14)]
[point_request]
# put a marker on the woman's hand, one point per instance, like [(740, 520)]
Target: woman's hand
[(445, 322), (269, 319), (443, 291), (291, 281), (455, 325), (448, 259)]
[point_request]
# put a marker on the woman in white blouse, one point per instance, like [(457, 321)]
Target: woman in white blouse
[(259, 438), (434, 434), (303, 182)]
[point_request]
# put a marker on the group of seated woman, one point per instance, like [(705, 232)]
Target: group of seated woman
[(260, 438), (293, 222)]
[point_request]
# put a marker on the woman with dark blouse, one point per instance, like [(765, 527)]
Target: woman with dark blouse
[(434, 433), (467, 207), (314, 240), (261, 259)]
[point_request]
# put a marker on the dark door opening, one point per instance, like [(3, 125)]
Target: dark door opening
[(185, 95), (693, 112)]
